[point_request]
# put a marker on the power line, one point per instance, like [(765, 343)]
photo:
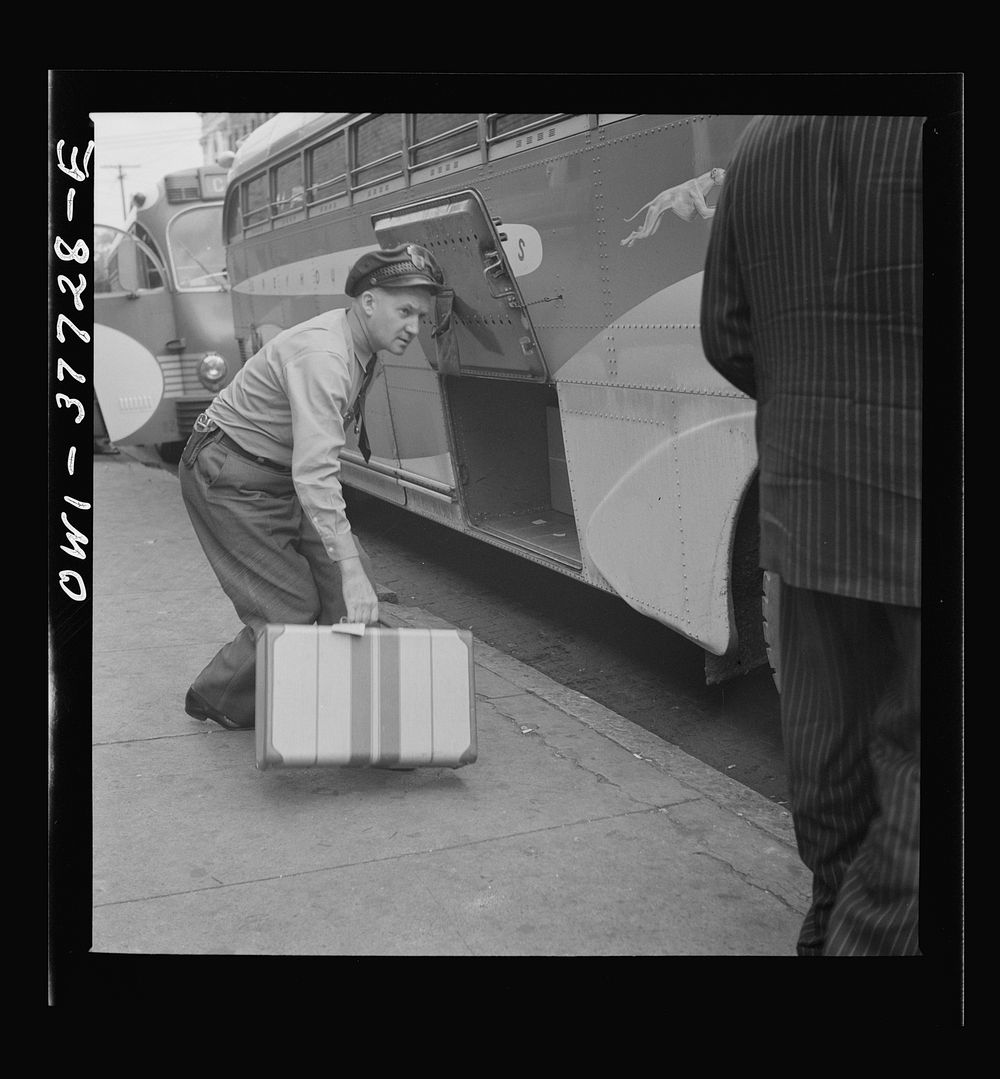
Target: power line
[(121, 180)]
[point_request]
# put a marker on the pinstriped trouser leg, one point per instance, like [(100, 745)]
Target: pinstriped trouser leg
[(848, 793), (876, 912)]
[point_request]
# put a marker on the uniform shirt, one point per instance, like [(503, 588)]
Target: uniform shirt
[(812, 304), (288, 403)]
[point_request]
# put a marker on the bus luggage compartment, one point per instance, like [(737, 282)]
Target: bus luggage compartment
[(513, 477)]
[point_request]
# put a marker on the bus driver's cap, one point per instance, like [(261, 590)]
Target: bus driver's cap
[(406, 266)]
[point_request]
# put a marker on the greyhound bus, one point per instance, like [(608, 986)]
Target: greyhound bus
[(163, 322), (558, 404)]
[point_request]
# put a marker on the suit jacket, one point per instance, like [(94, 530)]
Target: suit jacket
[(812, 304)]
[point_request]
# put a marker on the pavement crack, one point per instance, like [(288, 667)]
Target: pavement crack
[(159, 738), (534, 732), (747, 879), (599, 777), (361, 863)]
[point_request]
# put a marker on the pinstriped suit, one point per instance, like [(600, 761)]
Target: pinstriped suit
[(812, 304)]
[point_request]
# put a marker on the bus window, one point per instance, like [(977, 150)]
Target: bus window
[(256, 203), (233, 220), (328, 169), (194, 239), (510, 133), (507, 123), (378, 149), (289, 192), (149, 272), (442, 134)]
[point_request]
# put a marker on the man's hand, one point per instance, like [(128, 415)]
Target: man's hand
[(359, 595)]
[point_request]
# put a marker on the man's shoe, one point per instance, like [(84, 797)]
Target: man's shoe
[(198, 708)]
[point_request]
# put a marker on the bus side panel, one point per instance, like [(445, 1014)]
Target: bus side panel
[(647, 302), (548, 203), (640, 463), (658, 444), (572, 250), (662, 182), (418, 416)]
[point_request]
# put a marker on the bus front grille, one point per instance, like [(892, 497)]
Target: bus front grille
[(180, 376), (182, 189)]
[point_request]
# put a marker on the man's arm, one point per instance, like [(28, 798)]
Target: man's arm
[(318, 387), (725, 309), (360, 597)]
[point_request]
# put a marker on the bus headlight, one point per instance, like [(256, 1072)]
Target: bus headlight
[(212, 370)]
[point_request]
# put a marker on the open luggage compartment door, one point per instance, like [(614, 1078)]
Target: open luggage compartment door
[(482, 323)]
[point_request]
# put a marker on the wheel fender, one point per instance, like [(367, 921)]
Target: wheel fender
[(664, 546)]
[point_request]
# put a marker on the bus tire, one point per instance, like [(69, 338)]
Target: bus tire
[(770, 605), (170, 452)]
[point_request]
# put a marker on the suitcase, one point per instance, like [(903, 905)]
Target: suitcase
[(356, 695)]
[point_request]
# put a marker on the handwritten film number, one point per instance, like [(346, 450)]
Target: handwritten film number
[(70, 581)]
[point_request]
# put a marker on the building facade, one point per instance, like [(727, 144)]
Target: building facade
[(222, 132)]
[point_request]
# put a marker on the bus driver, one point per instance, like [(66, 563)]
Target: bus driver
[(260, 474)]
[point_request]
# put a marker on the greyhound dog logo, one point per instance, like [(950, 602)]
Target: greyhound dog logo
[(686, 200)]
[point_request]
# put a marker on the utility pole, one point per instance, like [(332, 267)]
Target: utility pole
[(121, 182)]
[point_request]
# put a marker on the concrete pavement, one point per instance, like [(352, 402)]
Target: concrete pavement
[(575, 832)]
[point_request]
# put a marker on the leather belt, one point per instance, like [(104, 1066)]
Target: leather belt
[(232, 444)]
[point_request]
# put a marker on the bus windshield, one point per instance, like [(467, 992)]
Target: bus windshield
[(194, 238)]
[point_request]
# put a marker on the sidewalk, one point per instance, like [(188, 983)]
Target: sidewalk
[(575, 833)]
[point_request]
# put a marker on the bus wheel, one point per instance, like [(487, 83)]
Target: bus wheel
[(170, 452), (770, 612)]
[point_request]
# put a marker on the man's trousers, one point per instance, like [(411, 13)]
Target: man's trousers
[(266, 554), (850, 711)]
